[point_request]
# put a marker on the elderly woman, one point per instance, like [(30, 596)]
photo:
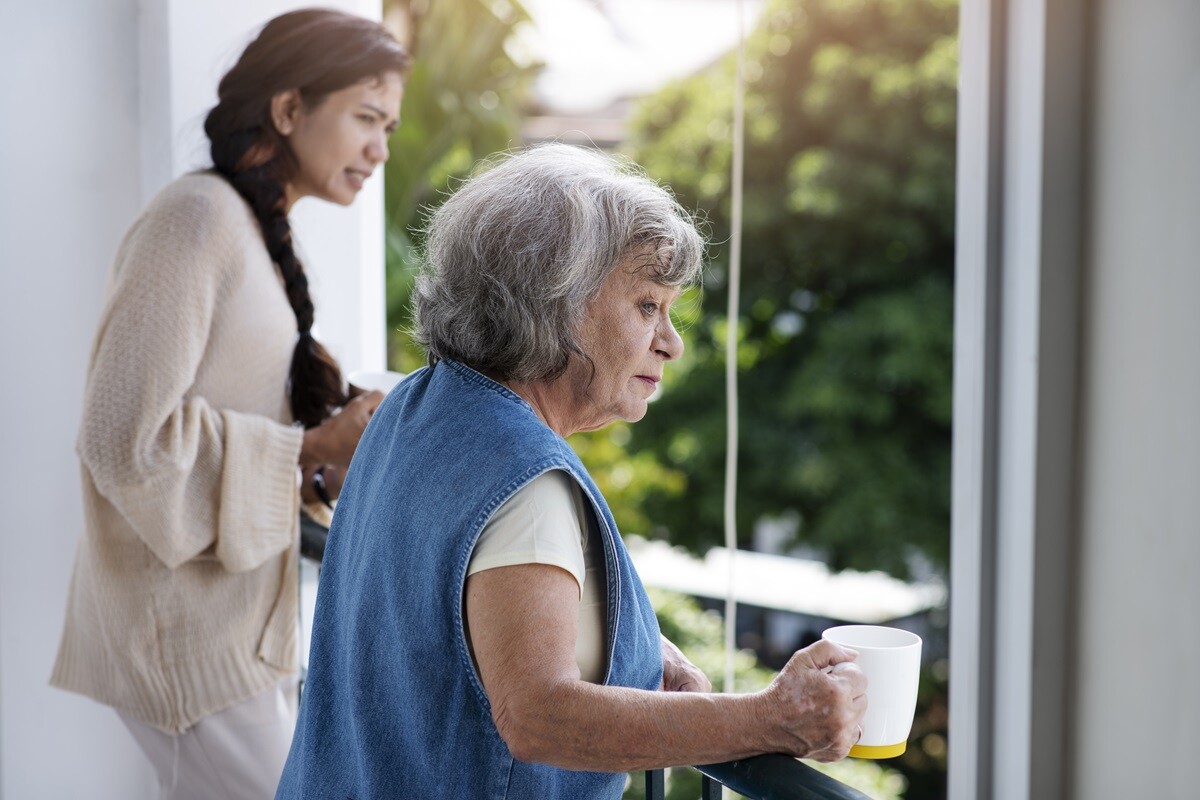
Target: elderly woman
[(480, 628)]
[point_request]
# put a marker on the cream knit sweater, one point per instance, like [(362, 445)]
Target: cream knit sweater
[(183, 599)]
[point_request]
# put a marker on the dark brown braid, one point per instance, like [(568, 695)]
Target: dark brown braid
[(314, 51)]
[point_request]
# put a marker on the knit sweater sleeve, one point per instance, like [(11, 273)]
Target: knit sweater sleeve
[(185, 476)]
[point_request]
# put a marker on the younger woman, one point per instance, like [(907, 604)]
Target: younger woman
[(206, 396)]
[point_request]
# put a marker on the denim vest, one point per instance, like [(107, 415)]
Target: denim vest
[(393, 706)]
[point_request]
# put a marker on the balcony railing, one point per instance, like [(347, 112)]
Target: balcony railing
[(770, 777)]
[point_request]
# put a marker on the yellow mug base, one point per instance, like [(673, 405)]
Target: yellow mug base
[(877, 751)]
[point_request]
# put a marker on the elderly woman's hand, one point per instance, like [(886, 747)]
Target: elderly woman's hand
[(679, 674), (820, 697)]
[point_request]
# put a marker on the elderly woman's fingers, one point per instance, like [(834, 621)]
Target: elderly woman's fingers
[(819, 709), (680, 674), (824, 654)]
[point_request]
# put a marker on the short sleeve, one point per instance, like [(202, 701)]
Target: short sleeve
[(540, 524)]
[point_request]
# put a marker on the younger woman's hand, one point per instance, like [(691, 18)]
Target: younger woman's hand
[(333, 476), (334, 440)]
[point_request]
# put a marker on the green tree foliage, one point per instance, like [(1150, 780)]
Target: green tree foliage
[(847, 265), (462, 102), (626, 480)]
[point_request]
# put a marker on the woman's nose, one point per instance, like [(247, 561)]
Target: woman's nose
[(377, 148), (670, 343)]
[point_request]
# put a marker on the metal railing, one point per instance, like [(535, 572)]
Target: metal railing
[(770, 777)]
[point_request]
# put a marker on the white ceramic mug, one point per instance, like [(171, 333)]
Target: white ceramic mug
[(891, 660)]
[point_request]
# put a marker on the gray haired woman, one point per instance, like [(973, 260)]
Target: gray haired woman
[(480, 628)]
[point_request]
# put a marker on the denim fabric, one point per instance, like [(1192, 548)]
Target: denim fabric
[(392, 706)]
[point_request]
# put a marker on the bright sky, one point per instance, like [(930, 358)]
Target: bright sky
[(631, 47)]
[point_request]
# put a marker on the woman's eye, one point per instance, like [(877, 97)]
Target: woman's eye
[(649, 308), (366, 118)]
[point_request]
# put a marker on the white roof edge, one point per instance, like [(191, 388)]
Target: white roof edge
[(784, 583)]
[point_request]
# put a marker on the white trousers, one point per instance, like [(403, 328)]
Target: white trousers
[(237, 753)]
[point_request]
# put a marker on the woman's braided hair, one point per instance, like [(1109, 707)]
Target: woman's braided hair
[(316, 52)]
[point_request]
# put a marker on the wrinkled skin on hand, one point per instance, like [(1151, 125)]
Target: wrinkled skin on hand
[(820, 696), (680, 674)]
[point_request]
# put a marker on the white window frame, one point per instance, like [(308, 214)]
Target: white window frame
[(1022, 70)]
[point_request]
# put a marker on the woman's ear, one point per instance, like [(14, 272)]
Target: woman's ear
[(285, 109)]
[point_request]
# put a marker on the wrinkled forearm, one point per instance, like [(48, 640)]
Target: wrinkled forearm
[(582, 726)]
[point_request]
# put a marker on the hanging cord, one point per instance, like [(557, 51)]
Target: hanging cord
[(731, 348)]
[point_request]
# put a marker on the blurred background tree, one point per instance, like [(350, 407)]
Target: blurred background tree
[(847, 268), (463, 100)]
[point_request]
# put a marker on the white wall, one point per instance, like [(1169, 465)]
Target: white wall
[(69, 184), (1137, 699), (101, 105)]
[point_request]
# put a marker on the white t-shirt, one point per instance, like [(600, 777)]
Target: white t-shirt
[(547, 522)]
